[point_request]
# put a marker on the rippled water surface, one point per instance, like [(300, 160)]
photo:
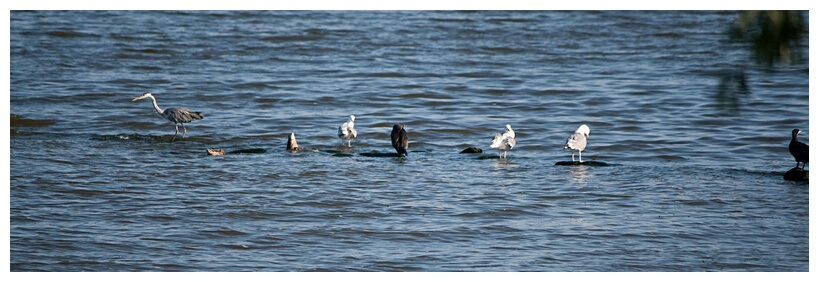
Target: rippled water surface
[(695, 133)]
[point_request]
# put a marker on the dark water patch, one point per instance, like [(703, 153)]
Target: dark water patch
[(608, 197), (130, 137), (69, 34), (19, 121), (388, 75), (671, 158), (452, 20), (124, 37), (236, 247), (700, 202), (432, 96), (149, 68), (479, 74), (550, 92), (161, 218), (223, 233), (255, 85), (585, 163), (84, 192), (308, 36), (772, 174), (496, 91), (489, 157), (150, 51), (504, 50), (672, 35), (376, 154), (556, 197)]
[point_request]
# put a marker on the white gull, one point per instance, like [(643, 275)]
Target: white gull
[(347, 131), (504, 142), (577, 141)]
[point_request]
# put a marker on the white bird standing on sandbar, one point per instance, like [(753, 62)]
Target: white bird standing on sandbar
[(504, 142), (175, 115), (347, 131), (577, 141)]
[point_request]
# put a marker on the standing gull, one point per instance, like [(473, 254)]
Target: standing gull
[(504, 142), (400, 140), (577, 141), (347, 131), (798, 149), (175, 115)]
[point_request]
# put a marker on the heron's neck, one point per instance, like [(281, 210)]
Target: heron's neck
[(158, 110)]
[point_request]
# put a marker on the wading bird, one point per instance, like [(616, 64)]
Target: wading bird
[(347, 131), (798, 149), (577, 141), (175, 115), (400, 140), (504, 142)]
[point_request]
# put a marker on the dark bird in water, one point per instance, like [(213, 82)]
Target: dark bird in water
[(216, 152), (175, 115), (798, 149), (400, 140)]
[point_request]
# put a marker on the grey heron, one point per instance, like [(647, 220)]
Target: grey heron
[(577, 141), (798, 149), (400, 140), (504, 142), (176, 116), (346, 131)]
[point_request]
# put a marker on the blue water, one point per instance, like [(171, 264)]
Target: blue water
[(693, 128)]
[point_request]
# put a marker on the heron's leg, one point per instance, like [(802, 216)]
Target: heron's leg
[(581, 155), (504, 154), (177, 132), (572, 155), (185, 131)]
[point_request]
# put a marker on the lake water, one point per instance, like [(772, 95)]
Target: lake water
[(694, 129)]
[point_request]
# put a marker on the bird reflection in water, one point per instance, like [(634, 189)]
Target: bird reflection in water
[(578, 173), (504, 164)]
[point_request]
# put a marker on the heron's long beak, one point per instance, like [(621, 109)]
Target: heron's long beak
[(138, 98)]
